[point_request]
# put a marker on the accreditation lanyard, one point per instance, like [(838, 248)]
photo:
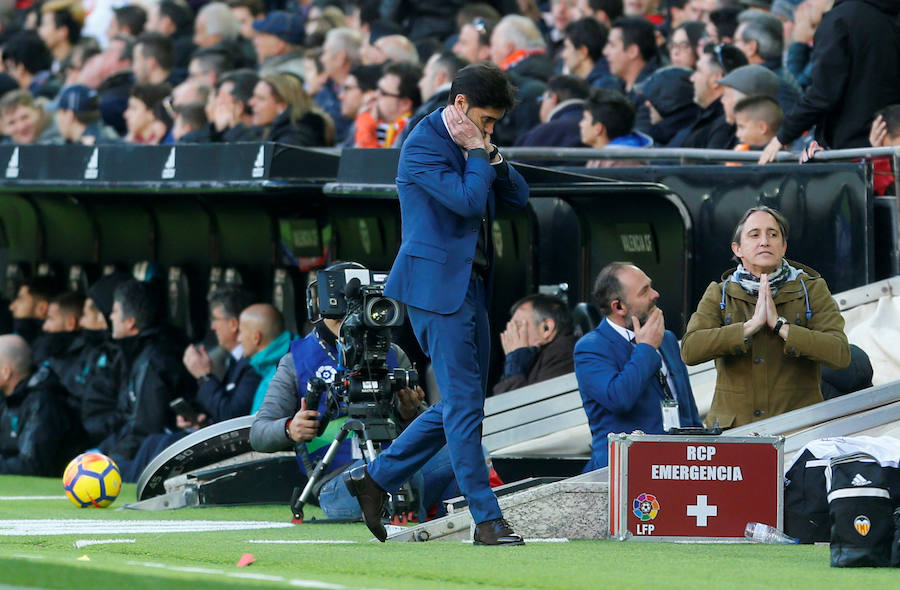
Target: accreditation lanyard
[(668, 404)]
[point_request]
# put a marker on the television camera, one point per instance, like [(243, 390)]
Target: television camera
[(364, 385)]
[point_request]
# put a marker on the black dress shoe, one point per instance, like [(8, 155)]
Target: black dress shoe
[(371, 499), (496, 532)]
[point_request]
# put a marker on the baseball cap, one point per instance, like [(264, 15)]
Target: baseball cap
[(78, 98), (752, 80), (287, 26)]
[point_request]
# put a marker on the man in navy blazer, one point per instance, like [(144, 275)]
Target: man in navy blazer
[(448, 179), (629, 368)]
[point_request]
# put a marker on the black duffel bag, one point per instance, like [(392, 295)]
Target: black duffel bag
[(861, 512)]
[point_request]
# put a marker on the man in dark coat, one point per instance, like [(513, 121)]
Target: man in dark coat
[(152, 371), (670, 94), (856, 72), (538, 342), (710, 129), (562, 107), (35, 421)]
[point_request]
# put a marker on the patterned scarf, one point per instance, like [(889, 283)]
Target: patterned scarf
[(777, 278)]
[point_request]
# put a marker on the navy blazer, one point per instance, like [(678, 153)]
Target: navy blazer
[(619, 388), (443, 197)]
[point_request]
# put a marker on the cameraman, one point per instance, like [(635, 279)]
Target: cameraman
[(283, 421)]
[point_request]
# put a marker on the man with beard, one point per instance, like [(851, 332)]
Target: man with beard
[(29, 309), (629, 368)]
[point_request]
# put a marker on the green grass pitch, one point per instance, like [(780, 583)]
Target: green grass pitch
[(208, 559)]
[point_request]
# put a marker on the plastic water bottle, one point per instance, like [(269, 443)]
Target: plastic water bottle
[(763, 533)]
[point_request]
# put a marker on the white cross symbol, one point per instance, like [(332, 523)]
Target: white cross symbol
[(701, 510)]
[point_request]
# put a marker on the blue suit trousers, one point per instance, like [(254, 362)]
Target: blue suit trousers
[(459, 347)]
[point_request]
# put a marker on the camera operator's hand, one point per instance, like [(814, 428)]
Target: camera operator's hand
[(408, 401), (304, 425)]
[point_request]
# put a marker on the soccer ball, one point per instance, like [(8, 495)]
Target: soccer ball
[(92, 480)]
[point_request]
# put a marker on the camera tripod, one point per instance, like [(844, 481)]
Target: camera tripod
[(402, 502)]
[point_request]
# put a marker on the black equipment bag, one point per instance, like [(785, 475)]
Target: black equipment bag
[(861, 512), (805, 500)]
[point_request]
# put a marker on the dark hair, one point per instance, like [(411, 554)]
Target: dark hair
[(449, 63), (608, 287), (369, 11), (612, 8), (725, 57), (243, 82), (366, 76), (676, 4), (780, 219), (150, 94), (613, 109), (88, 117), (567, 87), (214, 60), (233, 300), (26, 48), (254, 7), (637, 31), (127, 46), (485, 86), (548, 307), (725, 20), (761, 108), (63, 18), (588, 32), (159, 47), (695, 30), (180, 14), (70, 303), (194, 114), (131, 16), (891, 116), (409, 75), (140, 300), (42, 287)]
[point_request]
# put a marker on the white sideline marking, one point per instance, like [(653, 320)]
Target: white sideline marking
[(86, 542), (550, 540), (11, 498), (242, 575), (301, 542), (111, 527)]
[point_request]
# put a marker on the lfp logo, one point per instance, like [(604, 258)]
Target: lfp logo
[(645, 507)]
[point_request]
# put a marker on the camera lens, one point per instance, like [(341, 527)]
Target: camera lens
[(382, 311)]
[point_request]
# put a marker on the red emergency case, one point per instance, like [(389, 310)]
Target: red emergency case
[(693, 488)]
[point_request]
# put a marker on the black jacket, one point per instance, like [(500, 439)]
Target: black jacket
[(525, 115), (233, 395), (856, 72), (560, 131), (35, 426), (438, 100), (152, 376), (710, 130), (96, 383), (309, 131)]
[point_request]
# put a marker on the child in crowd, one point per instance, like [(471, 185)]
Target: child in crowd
[(757, 119)]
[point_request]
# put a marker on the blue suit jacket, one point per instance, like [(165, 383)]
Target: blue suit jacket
[(619, 388), (443, 197)]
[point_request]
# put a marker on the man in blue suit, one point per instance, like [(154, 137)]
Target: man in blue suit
[(449, 178), (629, 368)]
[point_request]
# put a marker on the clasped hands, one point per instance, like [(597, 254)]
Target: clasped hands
[(765, 313), (304, 426)]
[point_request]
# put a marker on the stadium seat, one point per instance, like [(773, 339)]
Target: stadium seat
[(179, 301), (15, 274), (586, 317), (81, 277), (289, 297)]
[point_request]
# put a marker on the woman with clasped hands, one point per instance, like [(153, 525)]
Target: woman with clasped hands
[(768, 324)]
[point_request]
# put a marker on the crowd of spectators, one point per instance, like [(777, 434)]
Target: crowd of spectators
[(363, 73)]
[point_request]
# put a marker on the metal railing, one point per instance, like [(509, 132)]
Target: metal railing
[(683, 155)]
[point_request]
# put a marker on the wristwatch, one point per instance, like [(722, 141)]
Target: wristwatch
[(493, 154), (778, 323)]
